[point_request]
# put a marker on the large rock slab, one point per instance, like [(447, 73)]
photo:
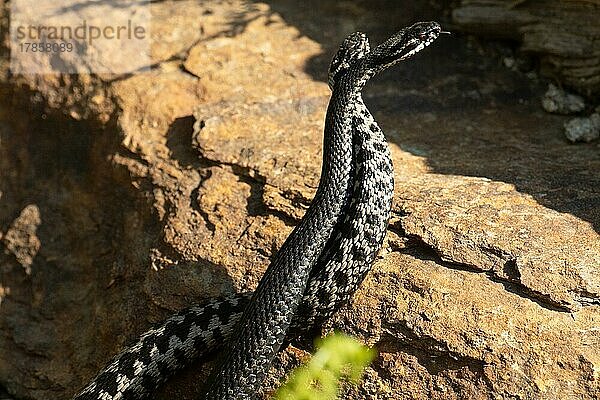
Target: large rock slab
[(563, 33), (474, 222)]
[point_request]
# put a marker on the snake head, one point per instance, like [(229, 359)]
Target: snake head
[(353, 48), (404, 44)]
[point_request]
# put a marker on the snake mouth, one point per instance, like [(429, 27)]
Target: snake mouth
[(405, 44), (417, 49), (419, 36)]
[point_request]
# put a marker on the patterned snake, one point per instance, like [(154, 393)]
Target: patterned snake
[(318, 268)]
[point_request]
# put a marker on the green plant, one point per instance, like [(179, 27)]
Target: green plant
[(338, 357)]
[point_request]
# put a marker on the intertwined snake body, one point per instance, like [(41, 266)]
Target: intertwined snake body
[(318, 268)]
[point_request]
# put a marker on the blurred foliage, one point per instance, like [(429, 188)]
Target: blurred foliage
[(338, 357)]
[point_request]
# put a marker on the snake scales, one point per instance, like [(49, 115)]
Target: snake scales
[(317, 269)]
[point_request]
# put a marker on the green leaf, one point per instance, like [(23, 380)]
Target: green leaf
[(338, 356)]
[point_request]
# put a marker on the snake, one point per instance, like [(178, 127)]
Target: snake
[(317, 269)]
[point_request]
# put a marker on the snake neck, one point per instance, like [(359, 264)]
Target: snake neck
[(357, 237), (267, 318)]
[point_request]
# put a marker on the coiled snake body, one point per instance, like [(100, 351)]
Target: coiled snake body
[(317, 269)]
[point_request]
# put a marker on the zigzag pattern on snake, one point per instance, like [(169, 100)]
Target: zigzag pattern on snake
[(317, 269)]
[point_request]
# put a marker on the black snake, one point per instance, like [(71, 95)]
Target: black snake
[(317, 269)]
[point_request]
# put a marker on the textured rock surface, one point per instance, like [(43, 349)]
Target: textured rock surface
[(563, 33), (583, 129), (558, 101), (116, 208)]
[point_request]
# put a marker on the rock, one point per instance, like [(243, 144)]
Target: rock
[(239, 134), (127, 199), (447, 333), (560, 33), (583, 129), (20, 239), (489, 226), (558, 101)]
